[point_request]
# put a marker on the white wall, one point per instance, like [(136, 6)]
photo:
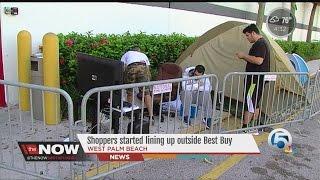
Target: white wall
[(41, 18), (195, 24), (302, 14), (110, 18)]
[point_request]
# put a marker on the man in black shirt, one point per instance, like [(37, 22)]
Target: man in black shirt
[(258, 60)]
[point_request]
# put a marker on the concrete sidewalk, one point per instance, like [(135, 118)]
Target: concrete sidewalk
[(303, 163)]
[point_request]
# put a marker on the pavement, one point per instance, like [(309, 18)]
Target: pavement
[(302, 163), (17, 127)]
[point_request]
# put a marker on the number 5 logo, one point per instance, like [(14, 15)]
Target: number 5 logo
[(279, 138)]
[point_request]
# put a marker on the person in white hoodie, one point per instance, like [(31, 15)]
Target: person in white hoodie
[(194, 90)]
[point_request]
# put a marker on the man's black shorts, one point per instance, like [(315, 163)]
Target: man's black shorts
[(255, 97)]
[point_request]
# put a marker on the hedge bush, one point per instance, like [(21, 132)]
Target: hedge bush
[(159, 48), (308, 51)]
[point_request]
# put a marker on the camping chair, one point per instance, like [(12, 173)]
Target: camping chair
[(167, 71)]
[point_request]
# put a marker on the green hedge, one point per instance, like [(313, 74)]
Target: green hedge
[(159, 48), (308, 51)]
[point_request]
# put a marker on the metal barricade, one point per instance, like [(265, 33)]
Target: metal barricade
[(315, 95), (283, 99), (194, 113), (22, 126), (184, 105)]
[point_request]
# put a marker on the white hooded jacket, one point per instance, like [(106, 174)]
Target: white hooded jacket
[(202, 84)]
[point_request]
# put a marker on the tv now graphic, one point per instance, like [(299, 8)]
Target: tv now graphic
[(52, 151), (69, 151)]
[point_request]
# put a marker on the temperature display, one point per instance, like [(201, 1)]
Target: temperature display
[(281, 22)]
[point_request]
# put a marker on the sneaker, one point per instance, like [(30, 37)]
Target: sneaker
[(254, 132), (185, 121), (161, 118), (244, 132), (260, 130), (267, 129), (152, 121), (207, 122)]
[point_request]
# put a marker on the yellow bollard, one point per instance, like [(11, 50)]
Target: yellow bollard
[(51, 78), (24, 64)]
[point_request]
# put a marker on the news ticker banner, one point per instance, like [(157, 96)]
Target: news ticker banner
[(136, 147)]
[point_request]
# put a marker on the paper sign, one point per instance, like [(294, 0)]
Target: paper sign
[(162, 88), (272, 77)]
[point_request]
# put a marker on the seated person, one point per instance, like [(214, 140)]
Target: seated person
[(189, 94)]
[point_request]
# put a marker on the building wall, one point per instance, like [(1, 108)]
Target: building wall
[(115, 18), (302, 13)]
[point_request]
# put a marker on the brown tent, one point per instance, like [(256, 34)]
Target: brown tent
[(216, 50)]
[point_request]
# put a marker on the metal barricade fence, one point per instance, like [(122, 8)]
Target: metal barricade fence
[(179, 106), (284, 99), (17, 125), (184, 105), (315, 95)]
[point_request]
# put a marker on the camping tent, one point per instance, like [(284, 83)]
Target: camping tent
[(216, 50), (299, 65)]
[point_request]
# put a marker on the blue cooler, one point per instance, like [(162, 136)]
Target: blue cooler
[(193, 111)]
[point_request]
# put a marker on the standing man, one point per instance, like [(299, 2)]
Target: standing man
[(137, 70), (258, 60)]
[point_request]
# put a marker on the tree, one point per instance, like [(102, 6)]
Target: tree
[(260, 17), (310, 27), (293, 12)]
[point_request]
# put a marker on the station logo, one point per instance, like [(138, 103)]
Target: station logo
[(280, 138)]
